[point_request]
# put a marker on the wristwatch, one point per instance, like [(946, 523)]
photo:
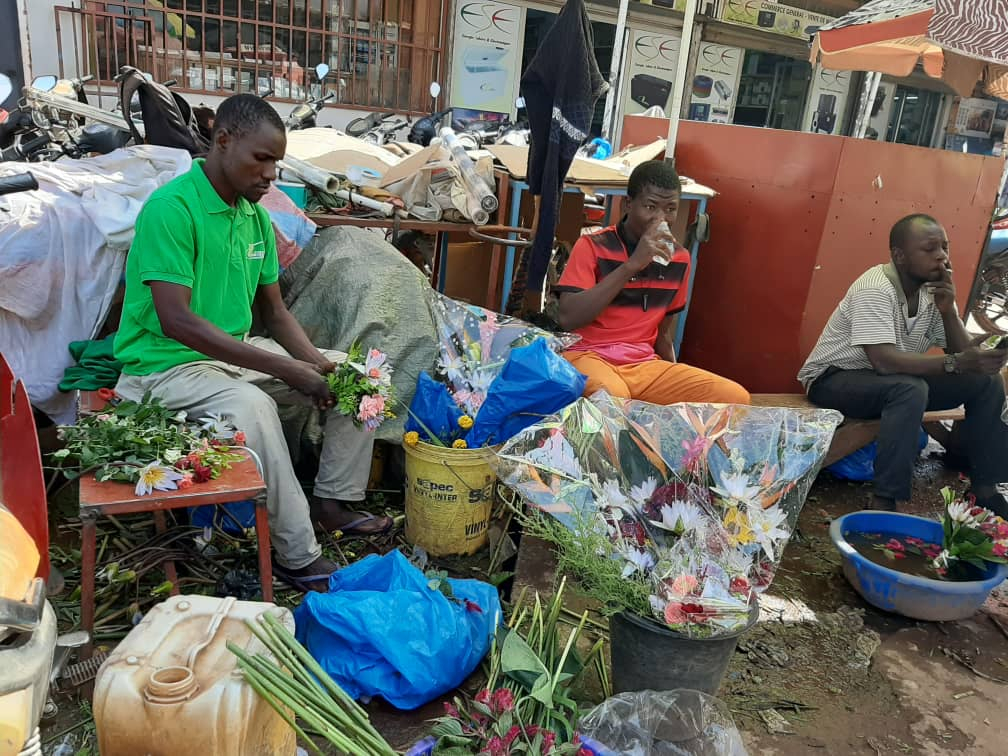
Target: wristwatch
[(951, 364)]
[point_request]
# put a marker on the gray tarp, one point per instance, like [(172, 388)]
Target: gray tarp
[(350, 285)]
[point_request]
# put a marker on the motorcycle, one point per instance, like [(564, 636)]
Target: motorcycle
[(303, 116)]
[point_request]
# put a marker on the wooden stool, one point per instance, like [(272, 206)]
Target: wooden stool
[(239, 483)]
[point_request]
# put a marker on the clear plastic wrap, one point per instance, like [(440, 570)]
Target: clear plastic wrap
[(666, 723), (474, 344), (691, 505)]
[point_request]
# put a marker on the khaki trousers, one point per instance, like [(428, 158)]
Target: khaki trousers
[(248, 399)]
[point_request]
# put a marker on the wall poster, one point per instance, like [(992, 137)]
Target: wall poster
[(827, 101), (486, 56), (715, 83), (653, 60)]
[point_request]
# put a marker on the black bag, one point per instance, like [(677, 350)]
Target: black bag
[(168, 119)]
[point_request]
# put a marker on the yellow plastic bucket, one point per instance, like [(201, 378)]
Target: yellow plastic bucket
[(449, 495)]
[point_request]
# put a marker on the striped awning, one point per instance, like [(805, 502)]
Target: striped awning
[(959, 41)]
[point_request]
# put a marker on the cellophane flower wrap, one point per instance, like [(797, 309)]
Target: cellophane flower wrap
[(474, 343), (686, 508)]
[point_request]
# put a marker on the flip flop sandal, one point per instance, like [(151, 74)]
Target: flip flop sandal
[(300, 582), (353, 528)]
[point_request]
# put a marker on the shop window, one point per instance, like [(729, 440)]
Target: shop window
[(382, 54), (913, 116), (772, 91), (538, 22)]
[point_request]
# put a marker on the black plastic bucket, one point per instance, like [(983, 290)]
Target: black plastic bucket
[(650, 656)]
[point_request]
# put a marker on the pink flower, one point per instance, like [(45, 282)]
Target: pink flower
[(239, 438), (739, 585), (371, 407), (684, 585), (185, 482), (999, 550), (483, 697), (894, 545), (374, 373), (911, 541), (451, 710), (549, 738), (501, 701), (674, 614), (103, 417), (512, 735), (977, 511), (1002, 530), (495, 747), (695, 451)]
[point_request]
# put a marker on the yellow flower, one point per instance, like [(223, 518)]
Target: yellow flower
[(459, 443), (411, 438), (740, 531), (465, 422)]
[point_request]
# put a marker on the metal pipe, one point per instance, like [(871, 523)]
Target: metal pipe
[(689, 16), (310, 174), (615, 73)]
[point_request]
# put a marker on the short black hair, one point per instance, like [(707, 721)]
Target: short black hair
[(242, 113), (656, 173), (902, 227)]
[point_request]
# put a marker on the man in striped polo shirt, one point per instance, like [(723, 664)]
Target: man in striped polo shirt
[(872, 362), (619, 291)]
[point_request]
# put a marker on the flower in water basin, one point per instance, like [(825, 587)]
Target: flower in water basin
[(157, 477), (894, 544)]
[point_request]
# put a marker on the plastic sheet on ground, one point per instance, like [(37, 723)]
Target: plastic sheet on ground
[(64, 248), (384, 630), (666, 723)]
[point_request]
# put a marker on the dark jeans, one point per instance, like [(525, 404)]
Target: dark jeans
[(900, 402)]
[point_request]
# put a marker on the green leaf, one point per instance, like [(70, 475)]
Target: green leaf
[(520, 662), (447, 727)]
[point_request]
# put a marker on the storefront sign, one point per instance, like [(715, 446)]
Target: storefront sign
[(827, 101), (715, 83), (487, 56), (650, 76), (773, 17), (678, 5)]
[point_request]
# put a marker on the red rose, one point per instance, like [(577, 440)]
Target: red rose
[(202, 473), (239, 438)]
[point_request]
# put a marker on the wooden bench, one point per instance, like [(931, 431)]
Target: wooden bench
[(852, 434)]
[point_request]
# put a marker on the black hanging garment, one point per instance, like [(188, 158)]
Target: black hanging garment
[(560, 87)]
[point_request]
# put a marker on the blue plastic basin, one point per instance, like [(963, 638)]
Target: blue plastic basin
[(917, 597)]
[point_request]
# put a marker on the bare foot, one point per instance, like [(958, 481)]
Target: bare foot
[(333, 514)]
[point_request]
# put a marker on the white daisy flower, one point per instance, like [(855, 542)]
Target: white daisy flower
[(736, 486), (680, 517), (769, 528), (157, 477)]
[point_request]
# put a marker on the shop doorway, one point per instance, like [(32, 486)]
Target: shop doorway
[(913, 116), (772, 91), (538, 22)]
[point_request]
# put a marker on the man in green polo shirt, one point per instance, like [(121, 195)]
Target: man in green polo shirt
[(203, 258)]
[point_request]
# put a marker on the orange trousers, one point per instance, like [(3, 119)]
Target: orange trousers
[(656, 381)]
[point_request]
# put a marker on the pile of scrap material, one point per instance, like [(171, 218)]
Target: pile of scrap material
[(434, 183)]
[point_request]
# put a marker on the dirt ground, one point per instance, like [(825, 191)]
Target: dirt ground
[(822, 673), (810, 662)]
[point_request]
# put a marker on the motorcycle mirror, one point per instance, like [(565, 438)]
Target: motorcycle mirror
[(435, 89), (6, 87), (44, 83), (321, 71)]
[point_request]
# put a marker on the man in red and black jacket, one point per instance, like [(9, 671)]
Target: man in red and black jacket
[(620, 299)]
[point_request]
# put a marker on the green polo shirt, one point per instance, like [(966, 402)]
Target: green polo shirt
[(186, 234)]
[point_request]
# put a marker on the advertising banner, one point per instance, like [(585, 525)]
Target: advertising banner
[(653, 59), (715, 84), (486, 56), (827, 101), (772, 17)]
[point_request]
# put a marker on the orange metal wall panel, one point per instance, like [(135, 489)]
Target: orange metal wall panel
[(797, 218)]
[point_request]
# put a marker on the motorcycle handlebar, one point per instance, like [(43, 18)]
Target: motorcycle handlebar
[(169, 83), (32, 145), (19, 182)]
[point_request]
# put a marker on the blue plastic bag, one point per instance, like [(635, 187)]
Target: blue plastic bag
[(535, 382), (860, 465), (434, 407), (383, 631), (234, 518)]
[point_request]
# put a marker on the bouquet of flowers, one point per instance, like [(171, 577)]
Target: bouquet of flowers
[(490, 364), (149, 445), (972, 535), (362, 388), (680, 513)]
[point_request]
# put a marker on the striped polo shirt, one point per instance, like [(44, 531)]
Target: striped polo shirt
[(873, 311), (625, 332)]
